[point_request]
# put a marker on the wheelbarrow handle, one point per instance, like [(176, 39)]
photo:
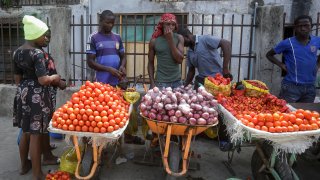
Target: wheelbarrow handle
[(185, 154), (95, 158), (136, 81), (145, 88)]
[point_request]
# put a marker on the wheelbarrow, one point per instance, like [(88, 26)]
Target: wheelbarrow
[(171, 151), (89, 159)]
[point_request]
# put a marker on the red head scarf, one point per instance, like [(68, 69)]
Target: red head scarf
[(167, 17)]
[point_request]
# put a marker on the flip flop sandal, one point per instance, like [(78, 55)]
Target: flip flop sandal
[(53, 146), (57, 162)]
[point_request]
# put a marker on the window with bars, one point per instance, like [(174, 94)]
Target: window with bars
[(139, 27)]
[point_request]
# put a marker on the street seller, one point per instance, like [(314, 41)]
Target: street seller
[(33, 103), (300, 62), (167, 46), (107, 49), (203, 54)]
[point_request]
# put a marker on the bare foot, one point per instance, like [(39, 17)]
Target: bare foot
[(39, 177), (26, 167)]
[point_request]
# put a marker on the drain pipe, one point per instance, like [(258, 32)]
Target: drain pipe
[(88, 13), (253, 36)]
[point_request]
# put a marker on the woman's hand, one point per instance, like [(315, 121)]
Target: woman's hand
[(55, 80), (62, 84)]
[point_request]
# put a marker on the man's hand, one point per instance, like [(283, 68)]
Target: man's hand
[(123, 70), (283, 67), (168, 34), (228, 75), (116, 73)]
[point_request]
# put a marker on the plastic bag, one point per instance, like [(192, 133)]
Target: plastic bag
[(145, 128), (68, 160), (132, 127), (19, 136), (211, 132), (216, 89), (131, 97), (255, 88)]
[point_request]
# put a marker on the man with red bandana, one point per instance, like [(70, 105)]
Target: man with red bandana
[(167, 46)]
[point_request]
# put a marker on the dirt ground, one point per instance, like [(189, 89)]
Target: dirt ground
[(208, 162)]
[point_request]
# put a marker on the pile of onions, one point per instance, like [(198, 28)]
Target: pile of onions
[(181, 105)]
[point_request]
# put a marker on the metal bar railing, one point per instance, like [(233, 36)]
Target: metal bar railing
[(19, 3), (136, 25), (134, 53), (82, 50), (3, 70), (73, 47), (240, 49)]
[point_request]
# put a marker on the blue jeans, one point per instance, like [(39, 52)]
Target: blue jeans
[(292, 92), (173, 84)]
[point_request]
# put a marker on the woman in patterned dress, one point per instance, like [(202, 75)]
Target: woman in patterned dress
[(48, 158), (33, 104)]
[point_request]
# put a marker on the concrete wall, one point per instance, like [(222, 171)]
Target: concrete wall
[(145, 6), (59, 48), (60, 40), (294, 8), (291, 7), (268, 33)]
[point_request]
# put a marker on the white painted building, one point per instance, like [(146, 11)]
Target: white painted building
[(225, 12)]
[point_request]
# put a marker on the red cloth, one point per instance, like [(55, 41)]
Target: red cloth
[(167, 17)]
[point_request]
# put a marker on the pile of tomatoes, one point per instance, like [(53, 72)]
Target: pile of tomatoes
[(218, 79), (96, 107), (58, 175), (257, 84), (266, 103), (300, 120)]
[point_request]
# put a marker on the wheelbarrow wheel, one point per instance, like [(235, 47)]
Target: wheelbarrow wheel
[(174, 159), (281, 166), (256, 163), (87, 162)]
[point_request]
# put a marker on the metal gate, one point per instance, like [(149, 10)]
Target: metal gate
[(11, 37), (136, 31)]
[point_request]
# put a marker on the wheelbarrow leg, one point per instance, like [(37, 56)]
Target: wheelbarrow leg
[(95, 158), (76, 146), (187, 145), (167, 145), (185, 155)]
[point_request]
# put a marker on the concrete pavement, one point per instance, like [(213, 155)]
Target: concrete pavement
[(211, 166)]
